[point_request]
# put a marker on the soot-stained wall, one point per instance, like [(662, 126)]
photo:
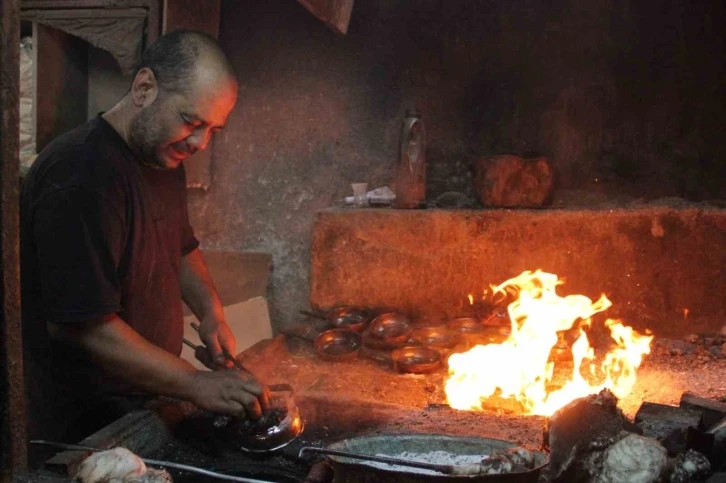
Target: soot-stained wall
[(626, 100)]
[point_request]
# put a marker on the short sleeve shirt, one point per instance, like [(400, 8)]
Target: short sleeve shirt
[(102, 233)]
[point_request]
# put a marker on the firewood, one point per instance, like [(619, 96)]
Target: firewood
[(668, 424), (718, 453), (713, 411)]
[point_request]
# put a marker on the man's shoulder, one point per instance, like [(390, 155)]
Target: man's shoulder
[(82, 157)]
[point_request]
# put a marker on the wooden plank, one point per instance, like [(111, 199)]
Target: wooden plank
[(141, 432), (77, 13), (61, 99), (334, 13), (13, 451), (153, 8), (66, 4)]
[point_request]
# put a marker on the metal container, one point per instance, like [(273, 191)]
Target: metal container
[(416, 360), (349, 470), (253, 438), (349, 318), (338, 345), (391, 327), (438, 337), (466, 325)]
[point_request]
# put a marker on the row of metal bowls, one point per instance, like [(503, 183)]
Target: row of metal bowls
[(413, 350)]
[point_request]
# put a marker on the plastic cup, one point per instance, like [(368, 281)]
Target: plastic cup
[(360, 194)]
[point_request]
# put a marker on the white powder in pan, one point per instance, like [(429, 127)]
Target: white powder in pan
[(435, 457)]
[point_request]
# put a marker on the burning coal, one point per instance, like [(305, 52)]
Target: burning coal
[(520, 367)]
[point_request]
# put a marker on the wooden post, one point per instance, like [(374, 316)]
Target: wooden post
[(13, 449)]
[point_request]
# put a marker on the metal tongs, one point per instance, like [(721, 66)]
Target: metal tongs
[(227, 355)]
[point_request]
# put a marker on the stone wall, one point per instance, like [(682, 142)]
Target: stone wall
[(625, 98), (662, 267)]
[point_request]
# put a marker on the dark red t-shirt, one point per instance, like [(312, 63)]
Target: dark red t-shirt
[(101, 233)]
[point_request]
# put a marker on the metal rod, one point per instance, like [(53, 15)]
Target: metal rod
[(313, 314), (163, 464), (190, 343), (229, 356), (446, 469)]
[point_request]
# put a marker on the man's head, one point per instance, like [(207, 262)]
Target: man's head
[(183, 91)]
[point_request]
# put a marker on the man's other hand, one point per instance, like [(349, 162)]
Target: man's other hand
[(233, 392), (216, 335)]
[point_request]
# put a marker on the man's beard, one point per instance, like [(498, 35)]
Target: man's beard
[(145, 136)]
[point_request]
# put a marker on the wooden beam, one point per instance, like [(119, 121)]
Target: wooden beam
[(13, 450), (334, 13), (68, 4)]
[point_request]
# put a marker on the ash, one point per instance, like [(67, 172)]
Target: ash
[(434, 457)]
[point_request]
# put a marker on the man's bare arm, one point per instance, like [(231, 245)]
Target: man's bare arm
[(120, 350), (199, 293)]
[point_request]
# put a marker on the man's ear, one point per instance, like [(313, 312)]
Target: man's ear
[(144, 88)]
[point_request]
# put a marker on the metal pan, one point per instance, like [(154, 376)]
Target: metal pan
[(275, 430), (356, 471), (466, 325), (338, 345), (440, 337), (391, 327), (416, 360), (355, 319)]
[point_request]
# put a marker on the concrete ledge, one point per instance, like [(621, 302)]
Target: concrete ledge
[(653, 263)]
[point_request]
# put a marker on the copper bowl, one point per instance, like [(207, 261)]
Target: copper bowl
[(416, 360), (466, 325), (349, 318), (338, 345), (392, 328), (440, 337)]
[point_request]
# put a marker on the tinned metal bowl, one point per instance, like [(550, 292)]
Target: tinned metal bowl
[(440, 337), (416, 360), (274, 430), (391, 327), (349, 318), (466, 325), (338, 345)]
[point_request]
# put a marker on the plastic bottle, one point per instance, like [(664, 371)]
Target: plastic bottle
[(411, 169)]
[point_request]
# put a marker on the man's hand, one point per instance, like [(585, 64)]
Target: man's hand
[(217, 337), (232, 392), (200, 295)]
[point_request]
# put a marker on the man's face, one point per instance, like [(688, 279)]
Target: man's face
[(176, 125)]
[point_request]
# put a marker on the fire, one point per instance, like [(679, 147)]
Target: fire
[(520, 367)]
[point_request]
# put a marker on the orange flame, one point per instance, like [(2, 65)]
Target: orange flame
[(520, 367)]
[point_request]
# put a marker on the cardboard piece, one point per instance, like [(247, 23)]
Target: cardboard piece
[(249, 321)]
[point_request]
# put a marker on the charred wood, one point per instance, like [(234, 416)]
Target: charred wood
[(668, 424), (713, 411)]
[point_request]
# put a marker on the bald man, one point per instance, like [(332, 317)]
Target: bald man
[(108, 253)]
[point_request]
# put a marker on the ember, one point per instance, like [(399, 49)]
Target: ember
[(521, 368)]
